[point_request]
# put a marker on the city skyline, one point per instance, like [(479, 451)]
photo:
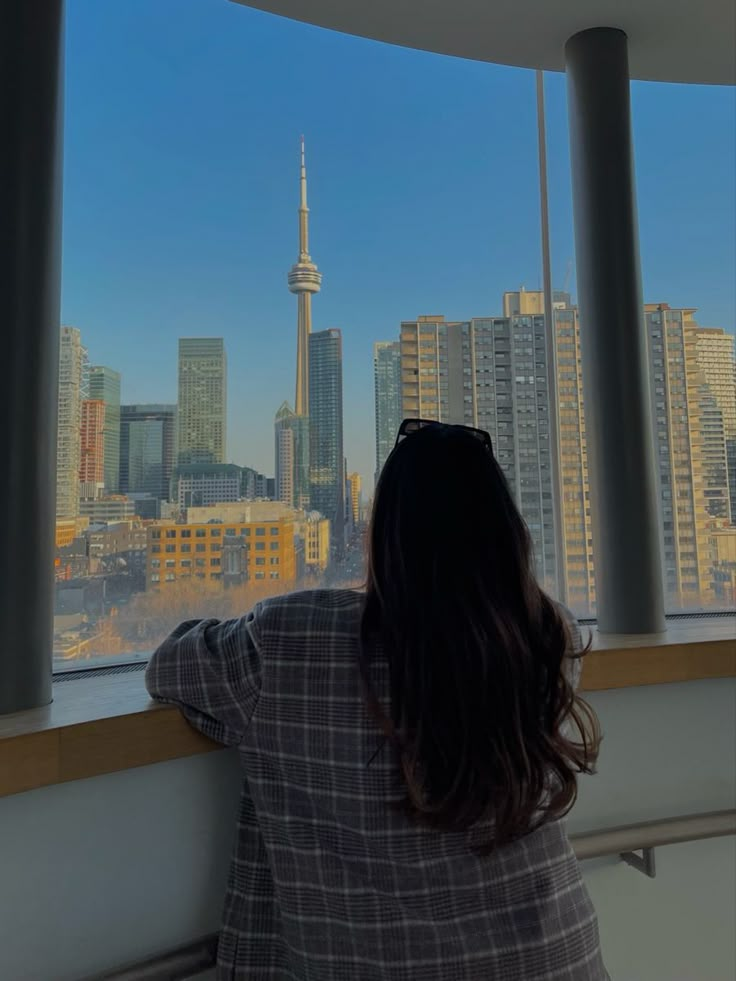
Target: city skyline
[(197, 225)]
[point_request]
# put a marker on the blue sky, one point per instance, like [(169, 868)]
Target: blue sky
[(180, 181)]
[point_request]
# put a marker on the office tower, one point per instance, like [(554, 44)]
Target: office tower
[(491, 373), (387, 389), (69, 434), (202, 406), (284, 456), (326, 469), (304, 280), (147, 449), (690, 444), (92, 442), (104, 386), (714, 349)]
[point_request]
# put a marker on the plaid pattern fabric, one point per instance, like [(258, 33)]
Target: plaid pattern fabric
[(327, 883)]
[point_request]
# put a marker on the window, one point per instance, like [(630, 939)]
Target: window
[(207, 516)]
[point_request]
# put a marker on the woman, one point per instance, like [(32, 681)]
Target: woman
[(408, 751)]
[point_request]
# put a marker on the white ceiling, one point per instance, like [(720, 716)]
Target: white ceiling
[(669, 40)]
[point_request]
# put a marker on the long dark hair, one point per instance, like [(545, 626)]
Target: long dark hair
[(488, 729)]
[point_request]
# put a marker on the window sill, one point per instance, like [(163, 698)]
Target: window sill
[(102, 725)]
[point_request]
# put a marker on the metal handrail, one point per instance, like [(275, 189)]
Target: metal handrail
[(653, 834), (174, 965), (623, 841)]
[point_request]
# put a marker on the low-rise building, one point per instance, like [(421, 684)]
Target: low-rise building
[(263, 550)]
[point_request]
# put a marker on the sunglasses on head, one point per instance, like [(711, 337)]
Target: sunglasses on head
[(410, 426)]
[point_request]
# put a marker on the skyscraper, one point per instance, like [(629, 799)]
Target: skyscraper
[(104, 386), (284, 455), (202, 407), (292, 457), (147, 449), (714, 349), (92, 442), (68, 449), (326, 458), (691, 453), (387, 389), (491, 373)]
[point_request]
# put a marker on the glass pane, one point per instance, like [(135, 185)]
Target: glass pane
[(187, 432)]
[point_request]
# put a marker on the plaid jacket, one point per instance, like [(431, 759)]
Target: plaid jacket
[(327, 883)]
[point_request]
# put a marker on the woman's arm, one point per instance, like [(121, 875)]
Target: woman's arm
[(572, 663), (211, 669)]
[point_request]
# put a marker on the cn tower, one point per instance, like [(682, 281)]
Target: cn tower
[(304, 279)]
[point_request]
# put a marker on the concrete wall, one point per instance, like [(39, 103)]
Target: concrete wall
[(100, 872)]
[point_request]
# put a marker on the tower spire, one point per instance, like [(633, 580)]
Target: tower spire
[(303, 209)]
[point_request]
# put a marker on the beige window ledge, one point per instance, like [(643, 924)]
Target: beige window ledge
[(99, 725)]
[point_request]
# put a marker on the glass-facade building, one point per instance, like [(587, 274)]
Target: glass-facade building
[(326, 456), (147, 449), (104, 385), (201, 428), (387, 389)]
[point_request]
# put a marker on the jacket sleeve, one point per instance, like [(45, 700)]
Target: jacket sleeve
[(211, 669), (572, 664)]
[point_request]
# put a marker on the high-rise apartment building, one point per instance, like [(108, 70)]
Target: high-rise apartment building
[(202, 405), (92, 442), (576, 533), (714, 348), (326, 457), (104, 386), (387, 389), (147, 449), (526, 303), (491, 373), (68, 450), (691, 454)]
